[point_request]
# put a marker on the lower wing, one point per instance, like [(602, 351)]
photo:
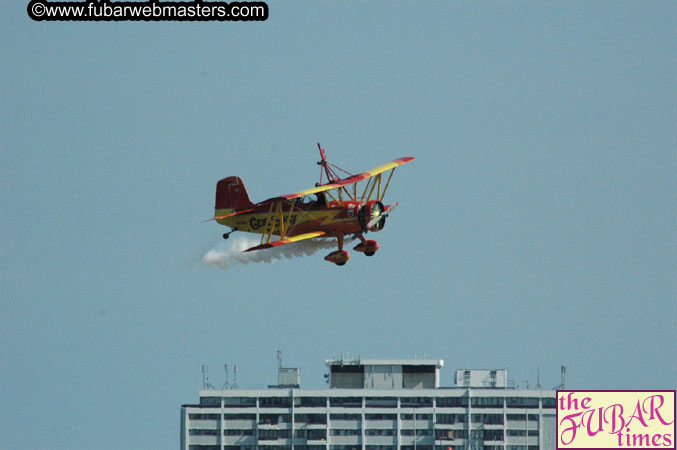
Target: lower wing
[(288, 240), (234, 213)]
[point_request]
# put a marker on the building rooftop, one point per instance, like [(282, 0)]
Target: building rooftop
[(385, 362)]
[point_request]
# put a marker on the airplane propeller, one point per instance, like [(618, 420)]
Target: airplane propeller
[(381, 216)]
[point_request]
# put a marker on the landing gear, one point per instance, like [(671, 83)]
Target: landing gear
[(339, 257), (368, 247), (227, 235)]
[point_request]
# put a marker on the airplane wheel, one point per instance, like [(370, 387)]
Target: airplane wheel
[(369, 253), (226, 236), (341, 263)]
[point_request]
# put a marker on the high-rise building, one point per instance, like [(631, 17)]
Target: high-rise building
[(374, 405)]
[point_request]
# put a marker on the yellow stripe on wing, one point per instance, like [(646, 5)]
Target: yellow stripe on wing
[(354, 179), (288, 240)]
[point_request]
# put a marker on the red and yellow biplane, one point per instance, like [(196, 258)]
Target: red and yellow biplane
[(333, 209)]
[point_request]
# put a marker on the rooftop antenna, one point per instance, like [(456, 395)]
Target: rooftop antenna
[(234, 385), (226, 385), (538, 378), (279, 359), (563, 384), (205, 378)]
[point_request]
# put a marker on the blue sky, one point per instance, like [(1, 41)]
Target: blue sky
[(536, 226)]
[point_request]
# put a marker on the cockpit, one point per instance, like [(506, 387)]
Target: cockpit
[(314, 200)]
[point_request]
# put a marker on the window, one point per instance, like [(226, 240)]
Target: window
[(451, 418), (346, 402), (379, 432), (489, 419), (275, 402), (311, 402), (284, 434), (381, 402), (320, 419), (312, 434), (238, 432), (239, 416), (239, 402), (268, 435), (452, 402), (380, 416), (318, 435), (487, 402), (493, 435), (344, 432), (549, 402), (419, 402), (418, 416), (210, 401), (203, 416), (273, 419), (445, 435), (408, 432), (344, 416), (522, 402), (476, 434), (200, 432), (418, 447), (521, 417)]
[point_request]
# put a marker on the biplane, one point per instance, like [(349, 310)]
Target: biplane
[(334, 209)]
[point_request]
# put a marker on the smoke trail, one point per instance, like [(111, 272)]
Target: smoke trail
[(225, 255)]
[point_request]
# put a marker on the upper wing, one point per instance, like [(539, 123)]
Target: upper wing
[(288, 240), (353, 179)]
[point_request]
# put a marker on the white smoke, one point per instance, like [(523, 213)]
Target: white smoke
[(227, 254)]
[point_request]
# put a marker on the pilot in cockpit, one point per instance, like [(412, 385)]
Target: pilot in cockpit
[(315, 200)]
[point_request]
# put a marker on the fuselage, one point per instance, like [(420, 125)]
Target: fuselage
[(333, 218)]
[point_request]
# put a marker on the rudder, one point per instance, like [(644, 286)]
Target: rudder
[(231, 194)]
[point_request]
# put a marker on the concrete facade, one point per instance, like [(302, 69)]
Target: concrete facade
[(371, 418)]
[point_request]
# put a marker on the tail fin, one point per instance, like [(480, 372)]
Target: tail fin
[(231, 194)]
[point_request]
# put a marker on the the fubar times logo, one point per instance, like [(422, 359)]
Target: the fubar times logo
[(616, 419)]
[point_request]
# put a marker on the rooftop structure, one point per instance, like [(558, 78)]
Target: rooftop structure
[(384, 373), (494, 378)]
